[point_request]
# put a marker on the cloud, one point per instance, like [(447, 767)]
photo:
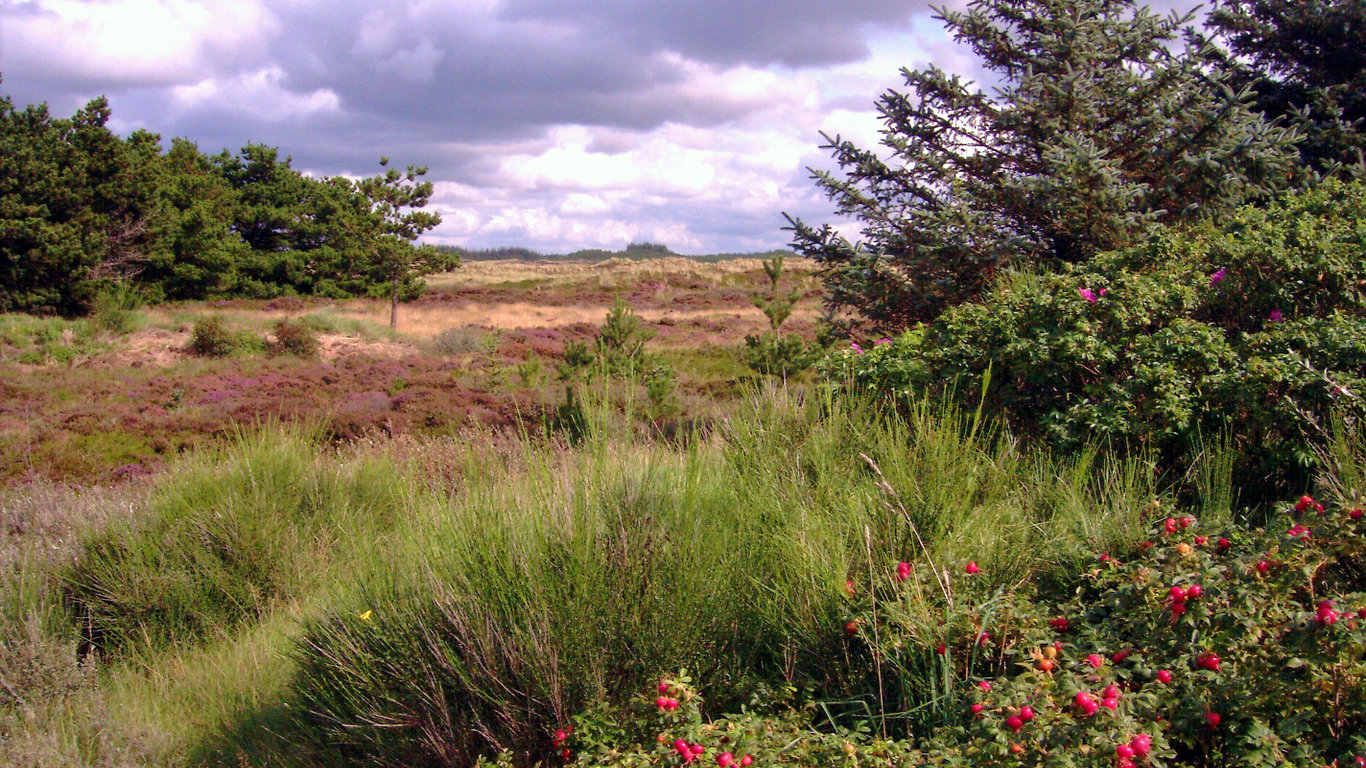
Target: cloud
[(259, 94), (128, 43), (550, 123), (798, 33)]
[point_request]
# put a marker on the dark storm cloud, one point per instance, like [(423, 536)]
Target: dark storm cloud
[(546, 63), (429, 72), (429, 75)]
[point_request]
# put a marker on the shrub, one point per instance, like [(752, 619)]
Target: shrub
[(457, 340), (1259, 327), (577, 359), (661, 389), (115, 308), (295, 337), (620, 344), (1194, 647), (211, 337), (772, 354), (531, 371)]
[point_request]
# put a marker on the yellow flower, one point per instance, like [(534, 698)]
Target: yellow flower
[(366, 616)]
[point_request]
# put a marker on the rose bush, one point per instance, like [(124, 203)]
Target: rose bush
[(1259, 324), (1263, 665)]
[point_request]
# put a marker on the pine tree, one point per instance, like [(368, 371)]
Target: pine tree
[(75, 207), (396, 200), (1101, 126)]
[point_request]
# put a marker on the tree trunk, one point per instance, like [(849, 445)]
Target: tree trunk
[(393, 305)]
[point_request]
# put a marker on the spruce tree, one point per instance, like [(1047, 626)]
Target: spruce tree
[(1306, 62), (1102, 124)]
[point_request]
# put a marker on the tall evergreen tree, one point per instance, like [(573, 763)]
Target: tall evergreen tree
[(1100, 126), (1306, 62), (74, 206), (397, 199), (81, 207), (197, 254)]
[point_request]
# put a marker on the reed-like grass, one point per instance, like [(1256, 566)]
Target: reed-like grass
[(581, 576), (279, 603), (229, 535)]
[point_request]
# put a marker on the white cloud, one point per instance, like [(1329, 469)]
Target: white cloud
[(260, 94), (415, 65), (580, 204), (140, 42)]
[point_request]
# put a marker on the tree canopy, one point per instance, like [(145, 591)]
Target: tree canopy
[(1305, 61), (82, 208), (1104, 121)]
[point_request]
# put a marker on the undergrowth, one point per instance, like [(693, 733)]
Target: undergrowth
[(410, 602)]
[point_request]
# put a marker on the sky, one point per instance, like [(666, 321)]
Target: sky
[(549, 124)]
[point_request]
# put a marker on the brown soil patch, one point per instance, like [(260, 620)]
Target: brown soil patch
[(161, 348)]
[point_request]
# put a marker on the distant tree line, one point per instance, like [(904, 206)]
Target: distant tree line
[(635, 251), (83, 210)]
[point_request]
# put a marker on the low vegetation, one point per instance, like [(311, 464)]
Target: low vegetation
[(1088, 491), (1199, 645), (510, 600)]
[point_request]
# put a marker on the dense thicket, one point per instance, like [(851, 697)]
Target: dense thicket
[(1101, 126), (1255, 330), (82, 209)]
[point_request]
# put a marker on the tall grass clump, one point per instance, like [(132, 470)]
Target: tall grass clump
[(115, 309), (231, 533), (580, 576), (51, 713)]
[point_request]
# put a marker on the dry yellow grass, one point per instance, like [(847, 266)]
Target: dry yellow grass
[(608, 273), (423, 322)]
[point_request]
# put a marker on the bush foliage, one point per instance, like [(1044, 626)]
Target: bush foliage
[(1194, 647), (1255, 329)]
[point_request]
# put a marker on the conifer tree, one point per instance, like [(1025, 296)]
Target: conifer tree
[(1101, 125), (396, 200), (1306, 62)]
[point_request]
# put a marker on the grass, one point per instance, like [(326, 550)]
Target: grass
[(517, 582), (49, 340), (612, 273), (52, 711), (535, 579), (235, 533)]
